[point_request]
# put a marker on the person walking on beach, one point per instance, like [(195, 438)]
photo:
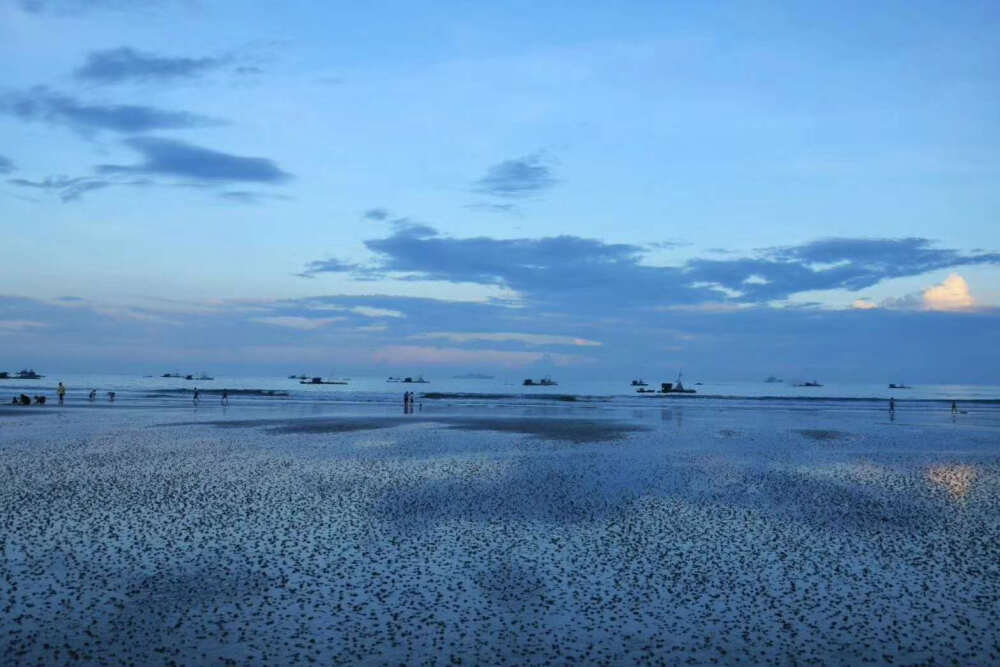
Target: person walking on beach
[(61, 390), (225, 397)]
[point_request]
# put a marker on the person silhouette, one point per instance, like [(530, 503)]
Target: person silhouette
[(195, 399), (92, 395), (892, 404), (225, 397), (61, 391)]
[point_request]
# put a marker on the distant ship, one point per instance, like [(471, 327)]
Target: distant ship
[(26, 374), (899, 386), (809, 384), (319, 380), (298, 377), (675, 387), (417, 380), (771, 379), (201, 376), (171, 375), (639, 383), (544, 382)]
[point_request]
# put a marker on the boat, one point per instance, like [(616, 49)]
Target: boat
[(26, 374), (319, 380), (641, 390), (772, 380), (639, 383), (675, 387), (544, 382), (899, 386), (298, 377), (417, 380), (809, 384), (200, 376), (171, 375)]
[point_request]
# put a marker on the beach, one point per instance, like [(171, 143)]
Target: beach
[(675, 531)]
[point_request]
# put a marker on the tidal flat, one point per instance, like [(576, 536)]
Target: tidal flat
[(678, 534)]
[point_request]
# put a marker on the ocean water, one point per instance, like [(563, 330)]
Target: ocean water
[(359, 391)]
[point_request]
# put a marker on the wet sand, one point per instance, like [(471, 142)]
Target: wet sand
[(671, 535)]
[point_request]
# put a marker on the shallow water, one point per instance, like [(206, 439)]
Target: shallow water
[(704, 531)]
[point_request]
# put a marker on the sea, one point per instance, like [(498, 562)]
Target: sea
[(277, 391)]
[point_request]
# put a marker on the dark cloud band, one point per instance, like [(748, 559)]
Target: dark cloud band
[(125, 64), (41, 104), (170, 157)]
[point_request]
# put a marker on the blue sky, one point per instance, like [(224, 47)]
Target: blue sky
[(402, 188)]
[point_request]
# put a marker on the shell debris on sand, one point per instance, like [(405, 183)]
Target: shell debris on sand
[(377, 540)]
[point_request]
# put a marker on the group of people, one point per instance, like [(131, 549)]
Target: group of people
[(408, 399), (24, 399)]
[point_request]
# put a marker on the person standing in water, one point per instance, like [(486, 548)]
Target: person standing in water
[(92, 395), (195, 399), (61, 390), (225, 397), (892, 404)]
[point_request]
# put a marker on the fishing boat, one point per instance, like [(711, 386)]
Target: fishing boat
[(675, 387), (26, 374), (319, 380), (639, 383), (544, 382)]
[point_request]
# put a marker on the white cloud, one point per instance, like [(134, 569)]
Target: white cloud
[(296, 322), (952, 294), (863, 304), (20, 325), (412, 354), (528, 339), (369, 311)]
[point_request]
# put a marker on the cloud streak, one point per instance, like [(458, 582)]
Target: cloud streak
[(6, 166), (526, 338), (67, 189), (170, 157), (125, 64), (41, 104)]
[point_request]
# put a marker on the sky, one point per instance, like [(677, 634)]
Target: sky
[(603, 190)]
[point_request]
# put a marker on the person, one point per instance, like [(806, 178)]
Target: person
[(111, 396), (225, 397), (195, 399), (954, 407), (93, 394), (61, 390), (892, 404), (25, 399), (39, 400)]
